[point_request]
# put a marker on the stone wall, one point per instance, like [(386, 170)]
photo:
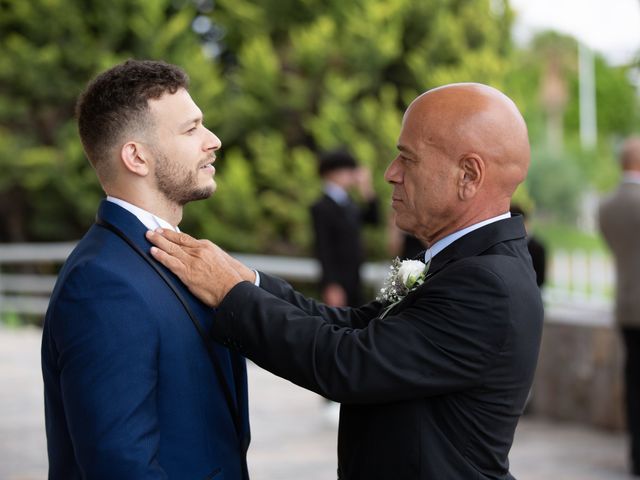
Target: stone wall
[(579, 374)]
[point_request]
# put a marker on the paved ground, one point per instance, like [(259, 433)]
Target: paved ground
[(292, 439)]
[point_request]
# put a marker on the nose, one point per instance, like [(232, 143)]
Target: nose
[(213, 142), (393, 174)]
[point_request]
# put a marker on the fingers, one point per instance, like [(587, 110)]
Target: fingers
[(163, 242), (172, 263), (179, 238)]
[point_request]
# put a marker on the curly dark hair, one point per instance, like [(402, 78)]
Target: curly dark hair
[(116, 103)]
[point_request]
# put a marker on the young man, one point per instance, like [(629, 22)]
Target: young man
[(134, 388)]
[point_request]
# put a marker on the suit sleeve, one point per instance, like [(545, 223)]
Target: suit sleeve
[(439, 344), (341, 316), (107, 347)]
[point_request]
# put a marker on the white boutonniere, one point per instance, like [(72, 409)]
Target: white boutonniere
[(405, 276)]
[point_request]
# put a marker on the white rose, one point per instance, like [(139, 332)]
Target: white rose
[(410, 271)]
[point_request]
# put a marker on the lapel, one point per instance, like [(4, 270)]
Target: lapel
[(135, 230), (471, 245), (479, 241), (125, 221)]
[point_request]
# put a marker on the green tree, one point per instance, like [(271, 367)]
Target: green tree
[(278, 80), (49, 50), (557, 180), (313, 75)]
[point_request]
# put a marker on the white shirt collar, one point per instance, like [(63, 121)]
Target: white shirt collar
[(449, 239), (148, 219), (631, 177), (336, 192)]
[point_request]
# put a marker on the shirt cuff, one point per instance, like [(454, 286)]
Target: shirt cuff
[(256, 282)]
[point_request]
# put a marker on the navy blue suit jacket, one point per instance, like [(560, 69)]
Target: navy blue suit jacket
[(130, 392)]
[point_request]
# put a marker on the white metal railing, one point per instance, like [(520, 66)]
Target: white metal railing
[(576, 281), (29, 293), (581, 276), (580, 287)]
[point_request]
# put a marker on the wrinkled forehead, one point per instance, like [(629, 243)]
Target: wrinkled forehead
[(466, 118), (438, 117)]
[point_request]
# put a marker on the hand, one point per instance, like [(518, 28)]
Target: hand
[(334, 295), (207, 270)]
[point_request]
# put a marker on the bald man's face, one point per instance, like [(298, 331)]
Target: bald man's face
[(424, 179), (464, 149)]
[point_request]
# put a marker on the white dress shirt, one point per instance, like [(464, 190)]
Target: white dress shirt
[(443, 243), (336, 192)]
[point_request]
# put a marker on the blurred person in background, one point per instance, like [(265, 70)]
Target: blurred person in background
[(432, 381), (134, 387), (337, 227), (536, 248), (619, 219)]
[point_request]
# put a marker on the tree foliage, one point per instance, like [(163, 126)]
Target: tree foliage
[(278, 81), (49, 50), (558, 180), (307, 76)]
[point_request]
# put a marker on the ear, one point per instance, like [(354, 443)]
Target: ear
[(472, 172), (135, 158)]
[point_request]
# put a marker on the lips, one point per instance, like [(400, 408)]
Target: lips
[(208, 164)]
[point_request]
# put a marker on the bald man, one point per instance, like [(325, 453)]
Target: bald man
[(620, 224), (433, 386)]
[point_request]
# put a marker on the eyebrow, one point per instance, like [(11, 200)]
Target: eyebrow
[(404, 149), (188, 123)]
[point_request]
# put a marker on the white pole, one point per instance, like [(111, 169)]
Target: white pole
[(588, 123)]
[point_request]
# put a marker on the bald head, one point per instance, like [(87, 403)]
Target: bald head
[(464, 149), (466, 118), (630, 154)]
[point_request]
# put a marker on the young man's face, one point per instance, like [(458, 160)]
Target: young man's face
[(184, 150)]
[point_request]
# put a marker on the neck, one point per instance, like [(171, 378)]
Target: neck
[(468, 218), (156, 204)]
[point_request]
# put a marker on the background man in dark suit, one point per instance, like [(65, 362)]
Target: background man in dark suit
[(131, 391), (536, 248), (432, 388), (337, 225), (620, 226)]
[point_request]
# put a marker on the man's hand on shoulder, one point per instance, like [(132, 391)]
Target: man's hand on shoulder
[(207, 270)]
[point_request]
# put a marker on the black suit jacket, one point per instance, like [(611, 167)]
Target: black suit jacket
[(432, 391), (538, 254), (338, 242)]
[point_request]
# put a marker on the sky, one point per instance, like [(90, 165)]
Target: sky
[(611, 27)]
